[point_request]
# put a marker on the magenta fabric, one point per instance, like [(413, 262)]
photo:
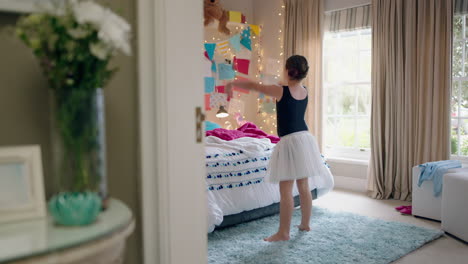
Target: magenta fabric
[(247, 130)]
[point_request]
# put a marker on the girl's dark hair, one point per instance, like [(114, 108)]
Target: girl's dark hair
[(297, 67)]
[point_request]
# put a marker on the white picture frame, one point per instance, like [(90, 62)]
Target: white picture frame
[(21, 6), (22, 193)]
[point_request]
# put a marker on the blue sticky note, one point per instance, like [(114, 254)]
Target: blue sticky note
[(246, 41), (236, 42), (213, 66), (226, 72), (210, 49), (209, 84)]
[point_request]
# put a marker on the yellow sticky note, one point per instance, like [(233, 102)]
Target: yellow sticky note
[(255, 29), (235, 16)]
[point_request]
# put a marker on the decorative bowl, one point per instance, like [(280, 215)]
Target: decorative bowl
[(75, 208)]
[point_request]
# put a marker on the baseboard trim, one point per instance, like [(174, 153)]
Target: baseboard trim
[(350, 183)]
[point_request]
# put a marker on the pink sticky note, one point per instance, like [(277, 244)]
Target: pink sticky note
[(242, 65), (238, 89), (220, 89), (241, 90), (207, 102)]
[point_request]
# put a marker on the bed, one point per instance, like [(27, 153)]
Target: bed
[(237, 190)]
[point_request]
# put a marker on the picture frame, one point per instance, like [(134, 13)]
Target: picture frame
[(22, 193), (21, 6)]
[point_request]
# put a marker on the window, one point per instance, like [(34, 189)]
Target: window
[(347, 93), (459, 102)]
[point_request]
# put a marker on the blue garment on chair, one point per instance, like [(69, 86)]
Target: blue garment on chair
[(434, 171)]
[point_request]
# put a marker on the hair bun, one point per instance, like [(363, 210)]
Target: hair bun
[(293, 73), (297, 67)]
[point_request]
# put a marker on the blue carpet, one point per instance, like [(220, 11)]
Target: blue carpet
[(336, 237)]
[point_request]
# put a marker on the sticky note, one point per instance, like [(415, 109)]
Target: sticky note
[(223, 47), (210, 49), (207, 68), (235, 42), (242, 65), (218, 99), (209, 84), (220, 89), (241, 90), (255, 29), (226, 72), (207, 102), (235, 16), (246, 41), (268, 107)]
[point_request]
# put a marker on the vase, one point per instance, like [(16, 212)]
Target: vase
[(78, 142)]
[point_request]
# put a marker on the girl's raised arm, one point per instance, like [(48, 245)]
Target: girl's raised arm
[(275, 91)]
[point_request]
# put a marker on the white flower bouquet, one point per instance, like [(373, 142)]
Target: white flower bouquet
[(74, 41)]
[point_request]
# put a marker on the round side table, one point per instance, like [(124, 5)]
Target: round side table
[(41, 241)]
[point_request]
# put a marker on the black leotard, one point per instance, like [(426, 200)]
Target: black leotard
[(290, 114)]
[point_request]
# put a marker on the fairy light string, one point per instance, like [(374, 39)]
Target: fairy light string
[(267, 114)]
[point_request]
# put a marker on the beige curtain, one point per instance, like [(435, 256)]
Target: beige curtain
[(411, 75), (303, 34)]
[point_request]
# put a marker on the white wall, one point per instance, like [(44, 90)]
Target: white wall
[(349, 175), (331, 5), (266, 14)]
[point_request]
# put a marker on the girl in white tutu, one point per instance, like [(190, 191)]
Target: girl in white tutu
[(297, 156)]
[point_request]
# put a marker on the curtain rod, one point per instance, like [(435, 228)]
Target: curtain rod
[(344, 8)]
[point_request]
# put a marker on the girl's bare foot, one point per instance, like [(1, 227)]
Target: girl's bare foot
[(305, 228), (277, 237)]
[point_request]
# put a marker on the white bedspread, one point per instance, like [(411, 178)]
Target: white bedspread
[(235, 177)]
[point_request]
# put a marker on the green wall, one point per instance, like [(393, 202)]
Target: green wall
[(24, 116)]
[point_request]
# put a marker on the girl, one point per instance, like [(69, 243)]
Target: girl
[(296, 157)]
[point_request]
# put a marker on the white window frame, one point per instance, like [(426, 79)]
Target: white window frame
[(460, 80), (341, 152)]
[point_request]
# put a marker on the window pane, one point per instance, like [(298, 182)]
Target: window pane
[(365, 63), (466, 26), (464, 99), (454, 137), (347, 97), (332, 69), (331, 129), (347, 100), (465, 52), (364, 100), (457, 27), (363, 132), (331, 43), (346, 132), (457, 59), (455, 95), (332, 102), (365, 42), (463, 137), (348, 63)]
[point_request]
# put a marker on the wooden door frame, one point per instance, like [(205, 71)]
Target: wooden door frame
[(156, 36)]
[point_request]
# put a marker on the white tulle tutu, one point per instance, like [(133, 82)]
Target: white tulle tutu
[(297, 156)]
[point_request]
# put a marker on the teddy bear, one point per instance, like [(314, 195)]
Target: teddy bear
[(212, 11)]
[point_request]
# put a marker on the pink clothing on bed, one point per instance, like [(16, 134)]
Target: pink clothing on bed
[(247, 130)]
